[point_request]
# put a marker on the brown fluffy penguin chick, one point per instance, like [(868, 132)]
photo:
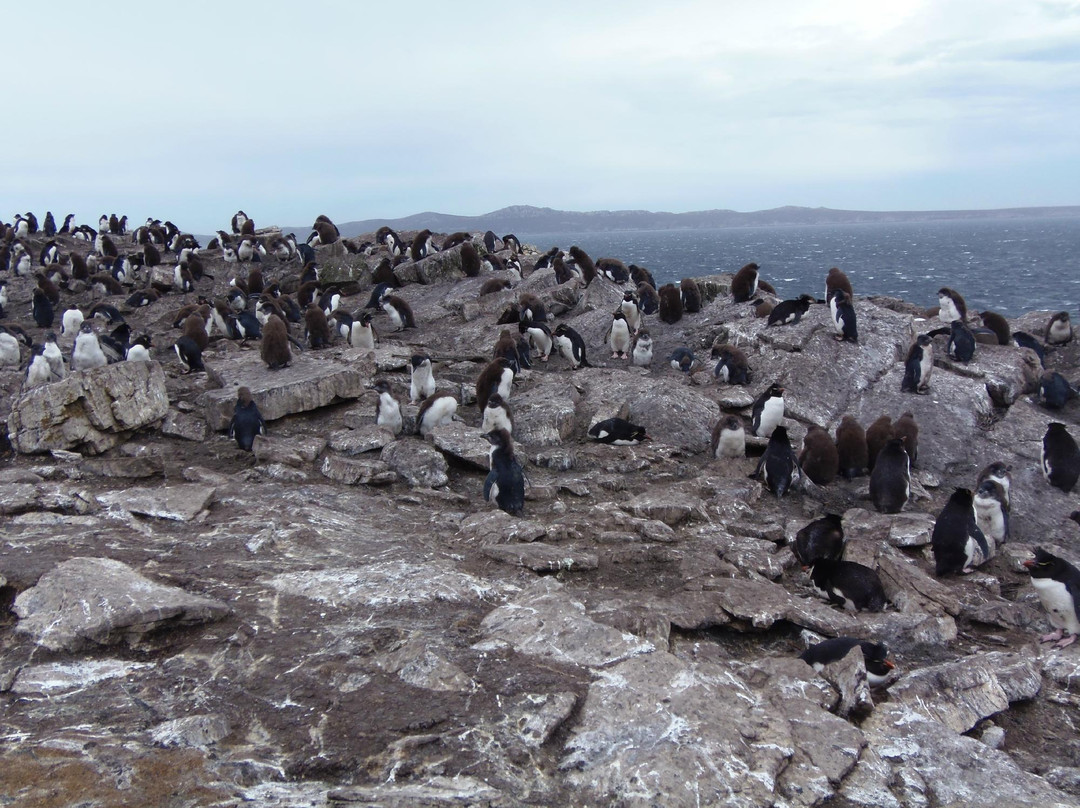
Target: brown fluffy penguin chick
[(318, 330), (493, 285), (851, 447), (820, 459), (745, 283), (763, 309), (195, 327), (470, 260), (691, 295), (584, 264), (877, 435), (384, 273), (275, 343), (671, 308), (505, 345), (998, 324), (906, 428), (836, 279)]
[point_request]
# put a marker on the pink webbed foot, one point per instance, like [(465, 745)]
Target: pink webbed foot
[(1066, 642), (1052, 636)]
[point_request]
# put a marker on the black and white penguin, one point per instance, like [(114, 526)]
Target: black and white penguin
[(819, 459), (879, 668), (744, 285), (1057, 583), (682, 359), (189, 353), (539, 337), (671, 307), (400, 312), (648, 298), (274, 348), (1060, 459), (613, 269), (821, 540), (437, 410), (571, 346), (49, 225), (1055, 391), (854, 586), (42, 309), (247, 421), (778, 467), (998, 324), (1059, 330), (640, 275), (239, 219), (582, 263), (890, 481), (497, 377), (631, 312), (951, 306), (68, 224), (961, 345), (497, 415), (491, 241), (86, 353), (421, 378), (732, 366), (50, 254), (999, 473), (643, 349), (511, 243), (959, 545), (617, 431), (992, 512), (851, 447), (10, 350), (691, 295), (387, 408), (618, 336), (54, 356), (768, 411), (505, 482), (422, 246), (843, 316), (139, 349), (789, 312), (729, 437), (531, 309), (1022, 339), (918, 366)]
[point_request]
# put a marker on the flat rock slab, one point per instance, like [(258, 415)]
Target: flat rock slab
[(89, 411), (87, 602), (542, 557), (180, 503), (308, 383)]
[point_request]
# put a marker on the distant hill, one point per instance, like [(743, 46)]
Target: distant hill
[(529, 219)]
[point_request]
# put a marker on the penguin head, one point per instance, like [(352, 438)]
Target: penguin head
[(1046, 565), (775, 390), (418, 360), (382, 386), (243, 397)]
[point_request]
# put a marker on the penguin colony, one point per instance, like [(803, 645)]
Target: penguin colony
[(280, 300)]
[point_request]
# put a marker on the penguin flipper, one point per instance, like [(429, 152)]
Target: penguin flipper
[(489, 481)]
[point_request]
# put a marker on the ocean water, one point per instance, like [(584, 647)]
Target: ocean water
[(1010, 266)]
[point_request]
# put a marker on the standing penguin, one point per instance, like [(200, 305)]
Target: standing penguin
[(732, 366), (362, 335), (958, 544), (506, 479), (890, 481), (999, 473), (497, 415), (691, 295), (768, 411), (877, 435), (38, 371), (247, 421), (851, 447), (539, 338), (436, 411), (876, 660), (87, 353), (618, 336), (961, 345), (729, 437), (671, 307), (643, 345), (53, 355), (821, 540), (905, 427), (571, 346), (836, 280), (843, 316), (951, 306), (400, 312), (1059, 329), (630, 310), (497, 377), (316, 326), (421, 379), (274, 349), (43, 309), (1058, 584), (1060, 459), (854, 586), (745, 283), (819, 459), (992, 511), (778, 468), (918, 366), (387, 408), (189, 353)]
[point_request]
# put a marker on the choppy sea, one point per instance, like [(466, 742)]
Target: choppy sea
[(1009, 266)]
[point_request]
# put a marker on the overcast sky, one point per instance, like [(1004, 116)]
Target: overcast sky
[(289, 110)]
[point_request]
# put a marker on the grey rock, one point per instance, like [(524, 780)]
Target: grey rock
[(194, 731), (274, 450), (422, 664), (367, 438), (56, 678), (385, 584), (87, 602), (357, 472), (496, 526), (464, 443), (24, 497), (130, 468), (541, 557), (183, 425), (180, 503), (848, 676), (435, 792), (671, 508), (89, 411), (542, 715), (545, 415), (418, 463), (313, 380)]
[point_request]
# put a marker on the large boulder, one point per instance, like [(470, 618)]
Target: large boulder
[(89, 411)]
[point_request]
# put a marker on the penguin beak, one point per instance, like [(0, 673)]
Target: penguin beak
[(890, 664), (1030, 563)]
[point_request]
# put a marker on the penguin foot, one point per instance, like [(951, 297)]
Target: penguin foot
[(615, 355), (1066, 642), (1052, 636)]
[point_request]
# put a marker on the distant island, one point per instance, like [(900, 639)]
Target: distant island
[(529, 219)]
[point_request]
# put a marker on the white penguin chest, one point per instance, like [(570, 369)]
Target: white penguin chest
[(771, 415), (732, 443), (1058, 604)]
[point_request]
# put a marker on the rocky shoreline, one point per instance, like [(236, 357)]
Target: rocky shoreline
[(339, 618)]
